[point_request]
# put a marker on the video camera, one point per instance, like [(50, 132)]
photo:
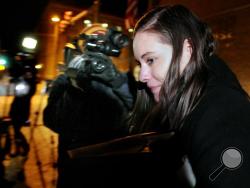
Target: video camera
[(87, 55), (109, 44)]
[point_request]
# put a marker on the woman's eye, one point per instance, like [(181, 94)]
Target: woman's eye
[(138, 63), (150, 61)]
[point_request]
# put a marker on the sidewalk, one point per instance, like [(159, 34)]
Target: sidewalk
[(39, 166)]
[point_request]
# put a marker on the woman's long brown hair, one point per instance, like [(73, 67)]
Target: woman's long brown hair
[(180, 92)]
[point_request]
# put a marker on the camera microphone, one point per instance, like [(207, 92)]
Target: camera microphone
[(103, 48)]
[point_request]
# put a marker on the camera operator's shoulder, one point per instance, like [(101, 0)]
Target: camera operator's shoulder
[(59, 84), (61, 79)]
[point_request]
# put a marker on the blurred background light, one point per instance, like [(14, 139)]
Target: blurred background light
[(55, 19), (29, 42)]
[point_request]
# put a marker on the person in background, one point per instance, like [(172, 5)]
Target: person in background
[(4, 125), (24, 77), (188, 90), (87, 108)]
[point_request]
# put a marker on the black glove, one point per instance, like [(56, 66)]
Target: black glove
[(77, 72), (104, 70), (95, 66)]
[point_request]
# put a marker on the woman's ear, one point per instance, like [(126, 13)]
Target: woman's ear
[(186, 54)]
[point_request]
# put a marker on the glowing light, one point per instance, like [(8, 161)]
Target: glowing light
[(22, 88), (105, 25), (87, 22), (29, 43), (39, 66), (55, 19), (3, 61), (2, 67), (131, 30), (118, 28)]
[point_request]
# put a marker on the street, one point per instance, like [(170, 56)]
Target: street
[(40, 165)]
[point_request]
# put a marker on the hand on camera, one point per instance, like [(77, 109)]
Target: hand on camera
[(94, 66), (103, 70)]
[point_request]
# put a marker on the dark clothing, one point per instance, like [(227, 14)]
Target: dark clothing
[(220, 122), (20, 110), (20, 107), (216, 131), (82, 118)]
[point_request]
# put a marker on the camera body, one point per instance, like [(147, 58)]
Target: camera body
[(88, 55), (109, 44)]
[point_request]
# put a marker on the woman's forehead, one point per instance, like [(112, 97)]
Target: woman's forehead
[(145, 42)]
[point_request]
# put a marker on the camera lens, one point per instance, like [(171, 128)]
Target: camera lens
[(120, 40), (98, 66)]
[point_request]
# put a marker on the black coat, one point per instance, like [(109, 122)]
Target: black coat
[(82, 118), (20, 106), (217, 132)]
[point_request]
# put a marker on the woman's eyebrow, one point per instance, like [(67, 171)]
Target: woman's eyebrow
[(145, 54)]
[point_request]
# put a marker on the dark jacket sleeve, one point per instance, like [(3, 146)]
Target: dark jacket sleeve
[(72, 111), (51, 113), (218, 137)]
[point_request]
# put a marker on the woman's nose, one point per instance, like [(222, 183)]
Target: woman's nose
[(144, 74)]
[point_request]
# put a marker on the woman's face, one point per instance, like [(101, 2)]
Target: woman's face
[(154, 58)]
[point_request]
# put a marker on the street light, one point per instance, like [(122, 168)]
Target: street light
[(29, 43), (55, 18), (3, 62)]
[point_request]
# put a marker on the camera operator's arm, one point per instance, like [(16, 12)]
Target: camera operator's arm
[(103, 70), (99, 67), (118, 82), (63, 99), (56, 92), (124, 91)]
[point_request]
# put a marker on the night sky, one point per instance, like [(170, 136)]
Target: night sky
[(17, 17), (20, 17)]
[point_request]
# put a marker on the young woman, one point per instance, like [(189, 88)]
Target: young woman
[(186, 89)]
